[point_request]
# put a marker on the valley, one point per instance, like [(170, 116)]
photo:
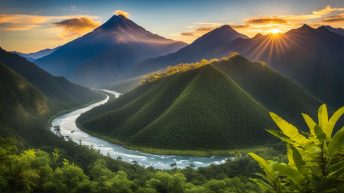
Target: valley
[(172, 96)]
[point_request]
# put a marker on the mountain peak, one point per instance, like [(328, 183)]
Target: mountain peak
[(306, 27), (224, 31), (115, 21)]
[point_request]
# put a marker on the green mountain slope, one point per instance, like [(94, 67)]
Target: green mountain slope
[(29, 96), (62, 93), (275, 92), (19, 100), (219, 106)]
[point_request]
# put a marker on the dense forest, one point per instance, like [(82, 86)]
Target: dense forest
[(314, 163), (211, 105)]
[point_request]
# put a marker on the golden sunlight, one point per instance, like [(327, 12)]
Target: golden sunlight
[(275, 31)]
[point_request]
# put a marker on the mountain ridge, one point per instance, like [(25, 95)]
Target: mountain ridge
[(105, 54), (210, 107)]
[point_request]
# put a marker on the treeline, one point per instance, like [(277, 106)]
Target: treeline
[(34, 170), (183, 67)]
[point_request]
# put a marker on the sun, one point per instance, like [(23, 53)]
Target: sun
[(275, 31)]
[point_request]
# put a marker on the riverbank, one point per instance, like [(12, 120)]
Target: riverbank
[(196, 153)]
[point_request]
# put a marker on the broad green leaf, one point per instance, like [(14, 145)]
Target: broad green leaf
[(288, 171), (333, 120), (323, 120), (280, 136), (289, 130), (265, 187), (337, 143), (265, 165), (295, 155), (319, 133), (290, 156), (336, 167), (262, 162), (310, 123)]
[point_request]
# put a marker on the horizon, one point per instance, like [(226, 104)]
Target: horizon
[(32, 27)]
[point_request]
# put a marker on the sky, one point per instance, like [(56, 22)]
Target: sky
[(31, 25)]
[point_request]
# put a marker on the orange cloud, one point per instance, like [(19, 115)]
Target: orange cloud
[(76, 26), (334, 18), (21, 22), (267, 20), (327, 10), (122, 13), (187, 34)]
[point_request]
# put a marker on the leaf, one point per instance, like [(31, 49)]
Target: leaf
[(319, 133), (323, 120), (295, 156), (288, 171), (280, 136), (262, 162), (310, 123), (339, 166), (289, 130), (334, 118), (336, 144)]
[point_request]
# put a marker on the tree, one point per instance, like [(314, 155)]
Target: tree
[(315, 160)]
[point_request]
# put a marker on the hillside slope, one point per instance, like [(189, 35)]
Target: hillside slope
[(59, 91), (223, 105), (19, 100), (186, 111)]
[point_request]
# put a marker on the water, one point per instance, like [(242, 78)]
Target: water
[(68, 129)]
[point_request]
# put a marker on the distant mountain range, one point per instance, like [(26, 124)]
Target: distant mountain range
[(311, 57), (107, 53), (36, 55), (339, 31), (223, 105)]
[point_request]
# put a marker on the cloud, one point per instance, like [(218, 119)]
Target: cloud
[(122, 13), (327, 10), (241, 26), (267, 20), (76, 26), (199, 29), (21, 22), (187, 34), (204, 29), (334, 18)]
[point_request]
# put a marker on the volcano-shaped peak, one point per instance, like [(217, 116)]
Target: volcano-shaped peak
[(116, 21)]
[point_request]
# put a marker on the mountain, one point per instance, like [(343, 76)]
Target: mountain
[(61, 93), (207, 46), (19, 100), (311, 57), (339, 31), (36, 55), (107, 53), (223, 105)]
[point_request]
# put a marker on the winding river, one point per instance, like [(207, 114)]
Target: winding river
[(68, 129)]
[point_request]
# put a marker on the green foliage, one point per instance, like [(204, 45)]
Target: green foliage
[(315, 160), (37, 171), (217, 106), (189, 110)]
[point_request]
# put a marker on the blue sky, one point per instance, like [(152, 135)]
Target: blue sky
[(166, 18)]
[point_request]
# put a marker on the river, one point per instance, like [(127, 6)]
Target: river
[(68, 128)]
